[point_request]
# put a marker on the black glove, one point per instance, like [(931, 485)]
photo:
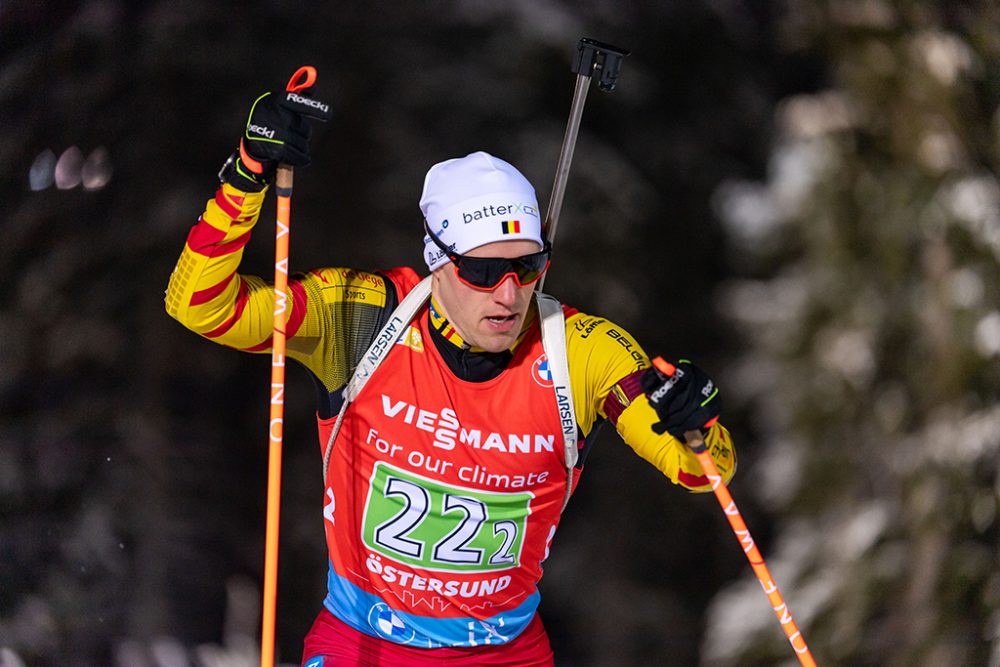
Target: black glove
[(684, 401), (277, 130)]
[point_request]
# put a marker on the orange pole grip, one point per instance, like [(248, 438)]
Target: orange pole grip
[(276, 421)]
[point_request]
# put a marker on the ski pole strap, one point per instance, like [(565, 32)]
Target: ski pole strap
[(376, 354), (554, 343)]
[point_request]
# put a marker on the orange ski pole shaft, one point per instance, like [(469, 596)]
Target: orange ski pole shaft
[(277, 415), (696, 443), (781, 610), (283, 187)]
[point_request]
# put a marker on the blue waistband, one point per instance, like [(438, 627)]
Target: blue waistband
[(375, 616)]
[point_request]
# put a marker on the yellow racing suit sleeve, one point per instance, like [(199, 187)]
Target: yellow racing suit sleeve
[(605, 363), (333, 313)]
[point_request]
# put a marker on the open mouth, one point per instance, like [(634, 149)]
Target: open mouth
[(501, 320)]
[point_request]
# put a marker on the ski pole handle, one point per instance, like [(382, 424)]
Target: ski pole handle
[(307, 74), (696, 443), (303, 79)]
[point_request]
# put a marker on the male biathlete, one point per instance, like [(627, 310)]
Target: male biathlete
[(447, 472)]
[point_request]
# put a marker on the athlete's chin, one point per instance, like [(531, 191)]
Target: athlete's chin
[(496, 342), (498, 334)]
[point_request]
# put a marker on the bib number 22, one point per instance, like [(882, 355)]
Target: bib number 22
[(437, 526)]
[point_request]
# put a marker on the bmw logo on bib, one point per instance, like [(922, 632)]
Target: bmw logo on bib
[(388, 624), (540, 371)]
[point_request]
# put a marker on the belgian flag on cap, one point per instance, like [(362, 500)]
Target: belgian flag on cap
[(511, 226)]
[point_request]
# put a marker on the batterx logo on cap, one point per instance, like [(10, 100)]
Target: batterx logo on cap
[(491, 210)]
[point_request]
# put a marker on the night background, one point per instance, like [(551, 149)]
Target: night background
[(801, 196)]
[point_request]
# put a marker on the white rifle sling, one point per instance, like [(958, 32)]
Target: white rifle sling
[(376, 353), (554, 344)]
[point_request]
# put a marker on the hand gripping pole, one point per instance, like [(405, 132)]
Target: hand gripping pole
[(696, 443), (303, 78), (593, 59)]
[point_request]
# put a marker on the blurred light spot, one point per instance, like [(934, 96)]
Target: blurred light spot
[(862, 531), (7, 656), (68, 168), (967, 288), (42, 173), (96, 172), (747, 208), (975, 202), (987, 336), (848, 353), (940, 149), (810, 116), (954, 438), (796, 167), (779, 473), (945, 56), (757, 303), (975, 199)]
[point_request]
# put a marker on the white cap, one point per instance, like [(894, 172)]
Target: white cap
[(475, 200)]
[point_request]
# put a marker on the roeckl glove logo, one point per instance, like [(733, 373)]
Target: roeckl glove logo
[(261, 130), (308, 101), (667, 386)]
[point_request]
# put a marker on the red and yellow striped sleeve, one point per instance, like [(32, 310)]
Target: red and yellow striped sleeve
[(605, 364), (333, 312), (206, 293)]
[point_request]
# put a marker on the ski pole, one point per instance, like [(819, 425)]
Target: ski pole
[(593, 57), (696, 443), (283, 188)]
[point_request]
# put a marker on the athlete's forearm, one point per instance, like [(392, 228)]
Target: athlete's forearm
[(206, 293), (669, 455)]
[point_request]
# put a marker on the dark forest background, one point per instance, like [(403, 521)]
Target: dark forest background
[(802, 196)]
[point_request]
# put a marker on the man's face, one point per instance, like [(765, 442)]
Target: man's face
[(487, 319)]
